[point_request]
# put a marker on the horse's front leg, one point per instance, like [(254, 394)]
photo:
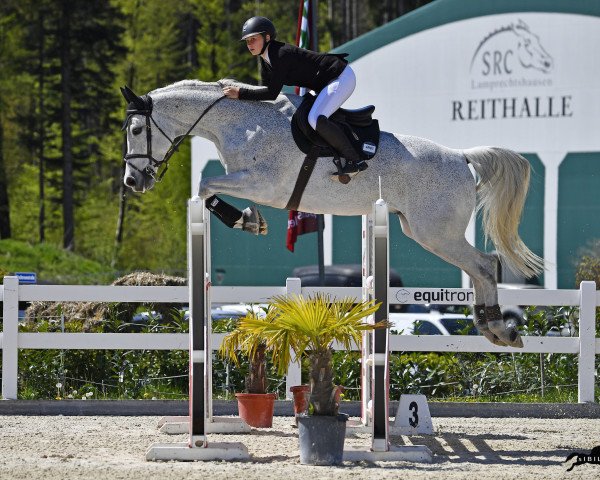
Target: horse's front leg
[(232, 184), (249, 219)]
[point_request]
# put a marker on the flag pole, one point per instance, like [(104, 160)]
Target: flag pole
[(314, 41)]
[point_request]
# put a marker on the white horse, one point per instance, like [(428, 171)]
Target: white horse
[(428, 186)]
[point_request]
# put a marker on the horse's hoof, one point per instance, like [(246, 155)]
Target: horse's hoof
[(252, 228), (480, 323), (251, 220), (343, 178), (510, 336), (493, 338), (263, 228)]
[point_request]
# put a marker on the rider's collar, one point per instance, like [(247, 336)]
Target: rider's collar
[(265, 56)]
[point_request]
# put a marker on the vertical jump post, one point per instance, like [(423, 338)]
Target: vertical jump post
[(375, 348), (200, 375)]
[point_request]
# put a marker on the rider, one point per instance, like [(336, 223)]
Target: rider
[(328, 75)]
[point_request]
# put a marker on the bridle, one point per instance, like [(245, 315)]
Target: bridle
[(154, 165)]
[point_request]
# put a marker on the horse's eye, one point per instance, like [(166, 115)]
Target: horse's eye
[(136, 130)]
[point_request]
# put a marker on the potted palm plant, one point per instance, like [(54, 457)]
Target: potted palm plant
[(255, 406), (309, 327)]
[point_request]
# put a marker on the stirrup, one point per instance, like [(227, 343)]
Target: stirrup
[(350, 169)]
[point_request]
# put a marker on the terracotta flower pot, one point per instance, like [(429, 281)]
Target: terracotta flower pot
[(302, 395), (256, 409)]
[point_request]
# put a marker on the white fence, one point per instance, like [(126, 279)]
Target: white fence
[(586, 346)]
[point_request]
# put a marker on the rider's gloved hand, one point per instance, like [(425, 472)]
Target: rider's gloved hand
[(231, 92)]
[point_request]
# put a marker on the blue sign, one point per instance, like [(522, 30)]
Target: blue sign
[(26, 277)]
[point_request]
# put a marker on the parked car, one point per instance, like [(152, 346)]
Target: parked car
[(514, 313), (431, 323), (142, 319), (343, 275), (242, 308), (338, 276)]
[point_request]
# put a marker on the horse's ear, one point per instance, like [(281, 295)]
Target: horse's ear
[(523, 25), (128, 94), (133, 98)]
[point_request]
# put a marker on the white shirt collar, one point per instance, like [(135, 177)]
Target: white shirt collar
[(266, 56)]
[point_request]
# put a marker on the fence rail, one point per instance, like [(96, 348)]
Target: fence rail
[(586, 345)]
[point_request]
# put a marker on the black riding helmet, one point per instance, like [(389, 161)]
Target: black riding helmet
[(261, 25)]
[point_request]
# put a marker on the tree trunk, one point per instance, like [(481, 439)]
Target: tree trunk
[(256, 381), (322, 390), (192, 38), (41, 129), (122, 189), (121, 218), (67, 140), (4, 203)]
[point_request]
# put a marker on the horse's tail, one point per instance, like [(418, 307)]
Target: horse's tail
[(501, 191)]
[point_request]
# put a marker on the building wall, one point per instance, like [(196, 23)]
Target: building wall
[(516, 74)]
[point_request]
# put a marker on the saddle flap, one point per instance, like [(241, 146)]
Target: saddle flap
[(358, 125)]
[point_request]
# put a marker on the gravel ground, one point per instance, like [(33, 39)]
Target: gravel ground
[(86, 447)]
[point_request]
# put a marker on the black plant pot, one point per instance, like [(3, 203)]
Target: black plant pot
[(322, 439)]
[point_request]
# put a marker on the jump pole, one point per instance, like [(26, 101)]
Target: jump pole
[(200, 376), (375, 348)]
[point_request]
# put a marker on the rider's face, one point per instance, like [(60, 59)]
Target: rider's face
[(255, 43)]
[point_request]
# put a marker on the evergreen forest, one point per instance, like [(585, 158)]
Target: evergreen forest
[(61, 65)]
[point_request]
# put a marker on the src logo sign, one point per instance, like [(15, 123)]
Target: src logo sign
[(510, 75), (504, 50)]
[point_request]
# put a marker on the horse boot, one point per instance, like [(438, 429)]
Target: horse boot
[(509, 335), (333, 134), (480, 322)]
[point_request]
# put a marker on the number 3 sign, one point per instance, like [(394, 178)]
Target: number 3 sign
[(413, 416)]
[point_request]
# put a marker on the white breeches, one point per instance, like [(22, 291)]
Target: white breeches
[(333, 96)]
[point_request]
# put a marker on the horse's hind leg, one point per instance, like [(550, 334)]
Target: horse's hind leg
[(481, 268), (486, 312)]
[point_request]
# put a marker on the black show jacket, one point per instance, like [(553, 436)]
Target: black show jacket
[(294, 66)]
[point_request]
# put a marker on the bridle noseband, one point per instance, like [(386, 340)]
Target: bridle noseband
[(154, 165)]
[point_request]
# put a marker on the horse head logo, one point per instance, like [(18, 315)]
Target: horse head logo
[(531, 52), (498, 49)]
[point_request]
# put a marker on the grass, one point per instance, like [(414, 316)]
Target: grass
[(552, 395), (52, 264)]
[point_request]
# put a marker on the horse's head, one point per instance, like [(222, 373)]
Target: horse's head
[(146, 153), (530, 51), (150, 145)]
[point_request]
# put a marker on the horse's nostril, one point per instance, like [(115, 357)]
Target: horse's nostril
[(130, 182)]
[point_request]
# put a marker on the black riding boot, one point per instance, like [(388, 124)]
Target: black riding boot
[(335, 136)]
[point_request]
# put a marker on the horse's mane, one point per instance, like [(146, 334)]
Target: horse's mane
[(191, 84)]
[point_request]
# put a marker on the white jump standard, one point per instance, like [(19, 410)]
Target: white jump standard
[(375, 354), (198, 447)]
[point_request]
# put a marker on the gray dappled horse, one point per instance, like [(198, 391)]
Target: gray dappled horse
[(428, 186)]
